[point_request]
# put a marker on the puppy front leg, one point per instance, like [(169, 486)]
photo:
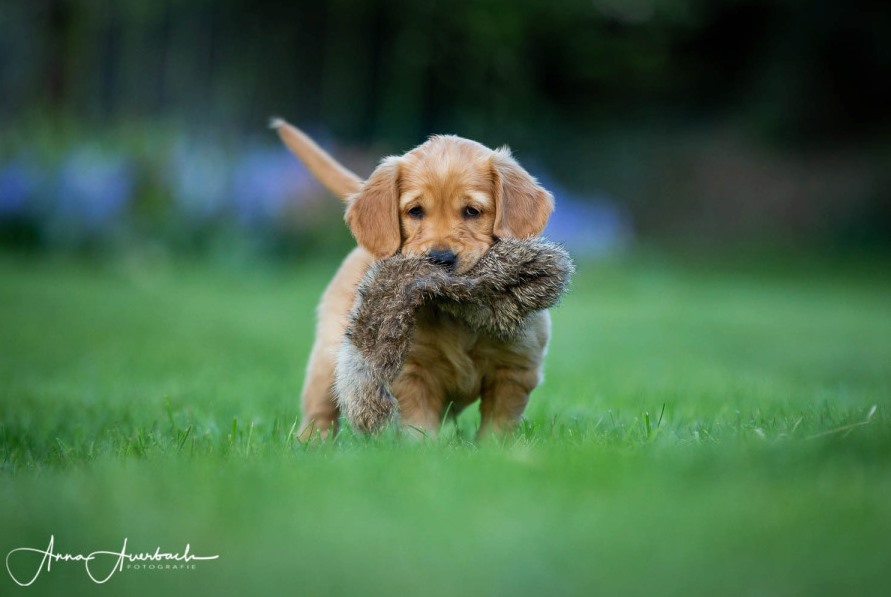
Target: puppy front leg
[(503, 399), (320, 412)]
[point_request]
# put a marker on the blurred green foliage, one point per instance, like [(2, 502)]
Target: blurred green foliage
[(688, 112)]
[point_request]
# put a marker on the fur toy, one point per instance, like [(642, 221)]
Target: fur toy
[(513, 279)]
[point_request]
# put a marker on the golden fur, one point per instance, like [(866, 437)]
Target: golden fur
[(452, 195)]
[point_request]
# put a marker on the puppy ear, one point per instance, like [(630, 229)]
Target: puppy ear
[(373, 212), (522, 206)]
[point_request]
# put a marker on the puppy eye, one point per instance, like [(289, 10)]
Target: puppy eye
[(471, 212), (417, 212)]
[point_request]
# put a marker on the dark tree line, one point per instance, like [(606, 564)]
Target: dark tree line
[(705, 119), (400, 69)]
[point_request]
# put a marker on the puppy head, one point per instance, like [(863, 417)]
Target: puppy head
[(449, 199)]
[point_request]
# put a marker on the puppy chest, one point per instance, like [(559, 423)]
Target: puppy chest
[(454, 361)]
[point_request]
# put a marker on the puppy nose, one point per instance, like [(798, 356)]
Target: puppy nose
[(440, 257)]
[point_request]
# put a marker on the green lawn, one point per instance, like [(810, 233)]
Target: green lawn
[(703, 429)]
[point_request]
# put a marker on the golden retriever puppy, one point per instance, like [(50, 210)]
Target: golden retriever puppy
[(448, 199)]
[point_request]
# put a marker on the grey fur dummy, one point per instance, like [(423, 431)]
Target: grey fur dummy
[(513, 279)]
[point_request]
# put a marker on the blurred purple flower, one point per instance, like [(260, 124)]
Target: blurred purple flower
[(264, 182), (588, 225), (93, 188), (18, 184), (199, 179)]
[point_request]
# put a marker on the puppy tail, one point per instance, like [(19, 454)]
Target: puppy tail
[(325, 168)]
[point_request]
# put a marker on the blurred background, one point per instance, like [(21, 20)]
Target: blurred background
[(140, 127)]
